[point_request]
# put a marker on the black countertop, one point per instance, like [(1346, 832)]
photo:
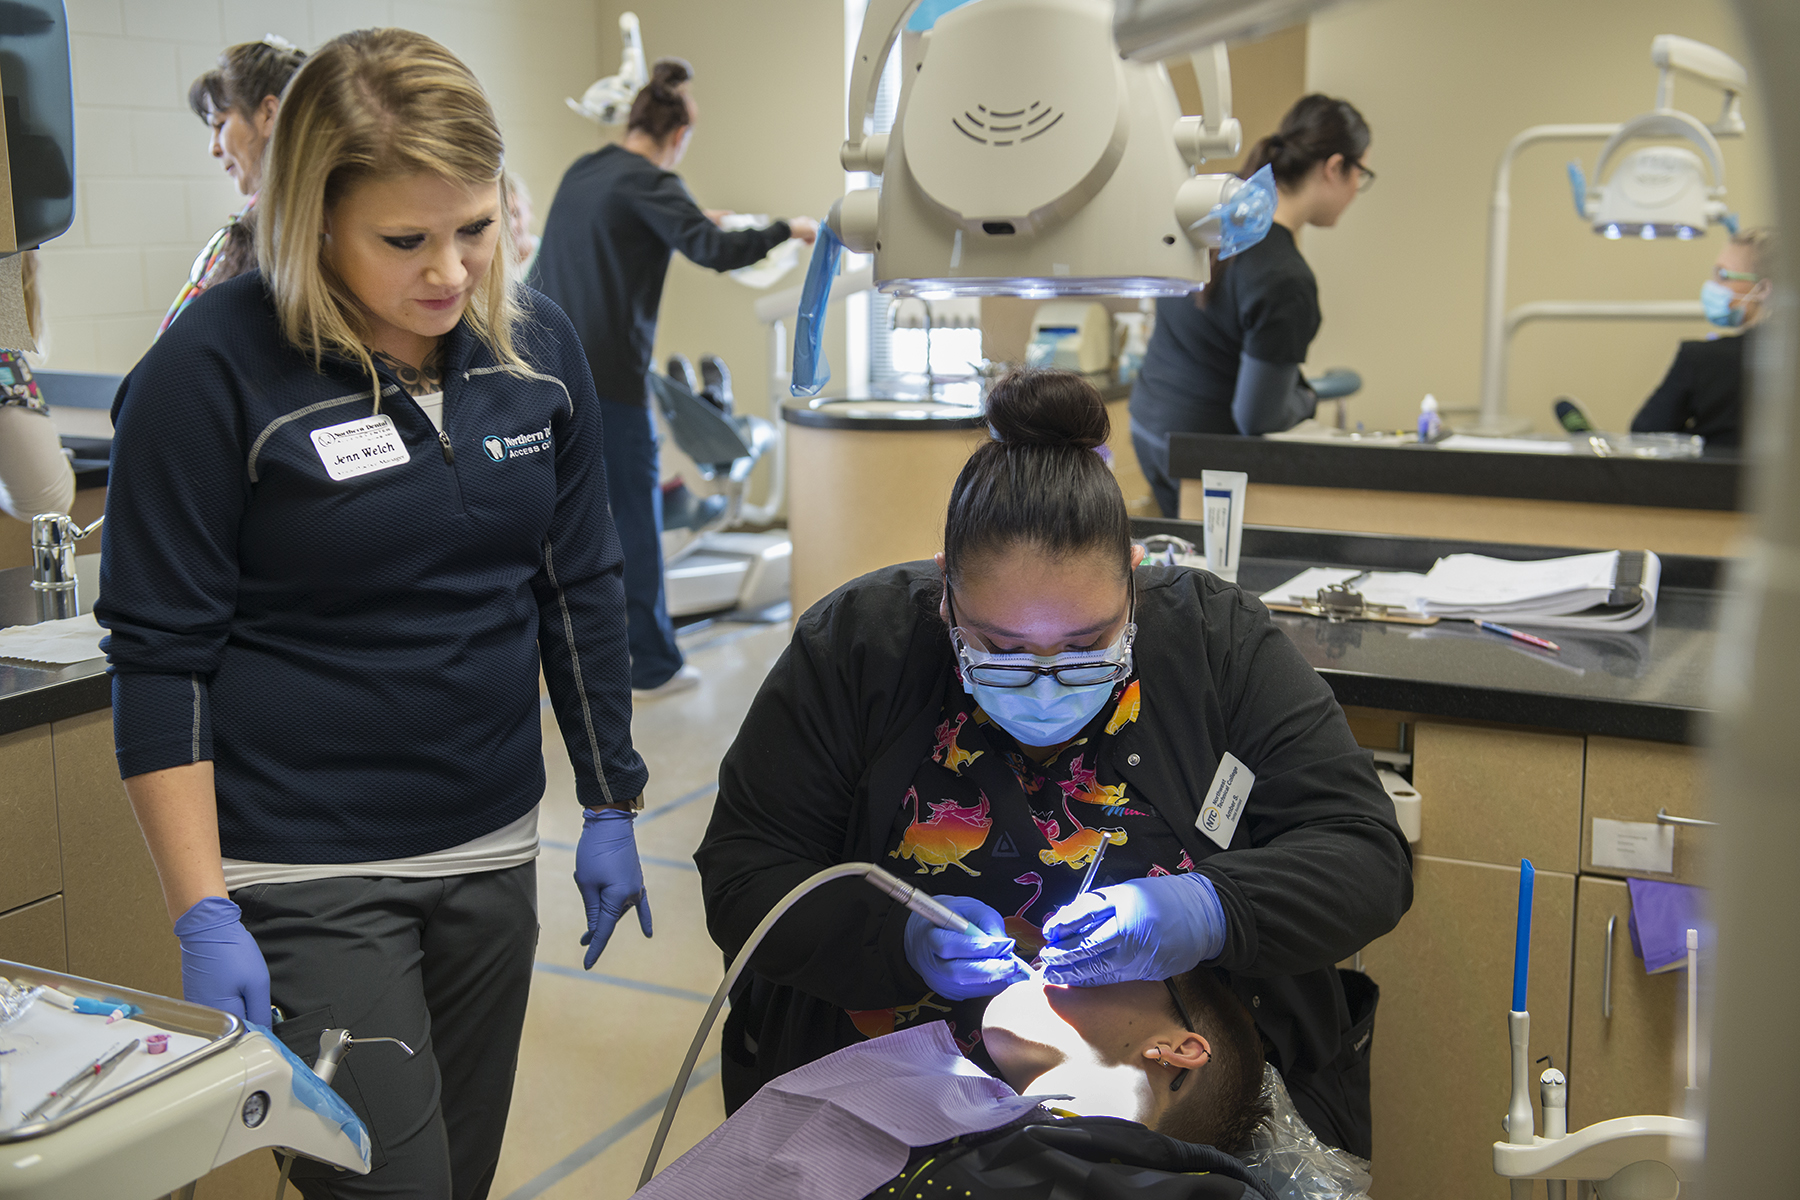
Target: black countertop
[(33, 693), (1651, 684), (1703, 483)]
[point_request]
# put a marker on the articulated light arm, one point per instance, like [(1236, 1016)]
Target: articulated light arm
[(1215, 133), (881, 26)]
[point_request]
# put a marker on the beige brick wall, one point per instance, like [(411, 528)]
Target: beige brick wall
[(148, 195)]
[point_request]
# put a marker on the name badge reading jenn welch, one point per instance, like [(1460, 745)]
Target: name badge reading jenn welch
[(1225, 800), (360, 446)]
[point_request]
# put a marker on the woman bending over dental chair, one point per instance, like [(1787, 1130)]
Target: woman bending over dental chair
[(992, 720)]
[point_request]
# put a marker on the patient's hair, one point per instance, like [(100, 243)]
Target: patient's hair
[(1221, 1105)]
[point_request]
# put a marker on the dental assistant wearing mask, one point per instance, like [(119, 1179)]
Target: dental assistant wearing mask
[(1703, 392), (1227, 359), (238, 100), (618, 217), (357, 503), (982, 724)]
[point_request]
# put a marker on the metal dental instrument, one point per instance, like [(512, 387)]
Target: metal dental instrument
[(1087, 881), (332, 1044), (91, 1075)]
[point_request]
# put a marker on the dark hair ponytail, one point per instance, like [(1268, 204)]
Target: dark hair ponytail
[(1316, 128), (659, 108), (1039, 482)]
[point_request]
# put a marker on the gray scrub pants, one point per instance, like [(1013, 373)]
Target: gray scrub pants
[(442, 964)]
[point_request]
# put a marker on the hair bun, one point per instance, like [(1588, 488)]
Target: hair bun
[(1047, 408)]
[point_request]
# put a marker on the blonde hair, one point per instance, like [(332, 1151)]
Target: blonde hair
[(1763, 246), (376, 103)]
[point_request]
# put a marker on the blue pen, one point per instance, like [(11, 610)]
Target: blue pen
[(1517, 635)]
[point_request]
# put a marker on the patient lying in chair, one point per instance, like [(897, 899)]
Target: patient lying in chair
[(1140, 1088)]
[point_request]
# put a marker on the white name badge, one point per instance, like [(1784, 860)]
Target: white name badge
[(1225, 799), (360, 446)]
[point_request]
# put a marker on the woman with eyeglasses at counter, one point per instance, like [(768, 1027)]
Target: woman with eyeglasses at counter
[(1227, 359), (985, 724)]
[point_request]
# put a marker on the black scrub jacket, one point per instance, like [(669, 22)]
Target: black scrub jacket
[(1317, 868)]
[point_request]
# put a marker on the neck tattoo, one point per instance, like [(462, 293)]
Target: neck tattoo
[(422, 380)]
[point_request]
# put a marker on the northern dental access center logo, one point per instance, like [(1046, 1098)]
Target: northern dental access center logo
[(502, 448)]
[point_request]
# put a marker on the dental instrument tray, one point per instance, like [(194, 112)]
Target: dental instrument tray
[(40, 1049)]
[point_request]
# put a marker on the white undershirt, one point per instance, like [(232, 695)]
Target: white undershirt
[(508, 846), (434, 408)]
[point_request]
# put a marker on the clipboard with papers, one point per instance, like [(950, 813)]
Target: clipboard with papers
[(1612, 591)]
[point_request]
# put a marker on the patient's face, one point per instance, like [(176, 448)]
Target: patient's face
[(1089, 1042)]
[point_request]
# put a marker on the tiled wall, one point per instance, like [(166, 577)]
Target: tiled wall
[(148, 195)]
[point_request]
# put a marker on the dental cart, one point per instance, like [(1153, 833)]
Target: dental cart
[(152, 1123)]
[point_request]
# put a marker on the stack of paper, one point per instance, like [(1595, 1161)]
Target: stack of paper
[(1563, 593)]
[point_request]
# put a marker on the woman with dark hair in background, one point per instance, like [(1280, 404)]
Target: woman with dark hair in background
[(1227, 360), (618, 217), (238, 100), (986, 724)]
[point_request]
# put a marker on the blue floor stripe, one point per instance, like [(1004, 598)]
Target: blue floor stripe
[(607, 1138), (699, 793), (636, 985)]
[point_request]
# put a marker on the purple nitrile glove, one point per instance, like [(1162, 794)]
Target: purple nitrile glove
[(609, 876), (955, 965), (221, 966), (1152, 928)]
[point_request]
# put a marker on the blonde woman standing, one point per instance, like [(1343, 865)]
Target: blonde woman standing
[(358, 499)]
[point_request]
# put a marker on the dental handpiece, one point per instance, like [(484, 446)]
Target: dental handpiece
[(929, 908)]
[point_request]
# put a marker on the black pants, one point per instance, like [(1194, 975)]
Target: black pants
[(442, 964), (1153, 460)]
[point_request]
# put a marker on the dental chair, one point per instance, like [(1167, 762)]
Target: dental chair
[(705, 568)]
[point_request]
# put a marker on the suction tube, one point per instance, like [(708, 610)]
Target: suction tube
[(904, 893)]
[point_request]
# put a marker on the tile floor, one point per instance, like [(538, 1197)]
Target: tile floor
[(601, 1048)]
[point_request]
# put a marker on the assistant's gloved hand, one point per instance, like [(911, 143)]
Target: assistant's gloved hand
[(220, 964), (956, 965), (1142, 929), (609, 876)]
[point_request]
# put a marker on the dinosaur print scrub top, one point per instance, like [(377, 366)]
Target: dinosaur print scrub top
[(981, 819)]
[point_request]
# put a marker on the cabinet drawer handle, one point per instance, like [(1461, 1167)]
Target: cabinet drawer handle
[(1612, 923), (1665, 817)]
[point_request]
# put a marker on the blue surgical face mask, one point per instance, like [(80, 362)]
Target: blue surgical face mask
[(1717, 300), (1047, 713)]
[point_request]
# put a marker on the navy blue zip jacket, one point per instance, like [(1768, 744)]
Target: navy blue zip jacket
[(358, 656)]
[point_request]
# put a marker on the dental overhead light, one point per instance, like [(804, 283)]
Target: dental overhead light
[(1662, 190), (1028, 158), (1657, 191), (608, 101)]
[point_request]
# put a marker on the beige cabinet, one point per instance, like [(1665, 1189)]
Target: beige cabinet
[(1627, 1041), (78, 891), (1439, 1060), (1440, 1069), (1499, 795), (1632, 781)]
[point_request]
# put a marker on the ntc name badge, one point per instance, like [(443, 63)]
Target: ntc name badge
[(360, 446), (1225, 799)]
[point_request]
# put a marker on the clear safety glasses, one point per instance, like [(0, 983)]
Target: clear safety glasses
[(1078, 668)]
